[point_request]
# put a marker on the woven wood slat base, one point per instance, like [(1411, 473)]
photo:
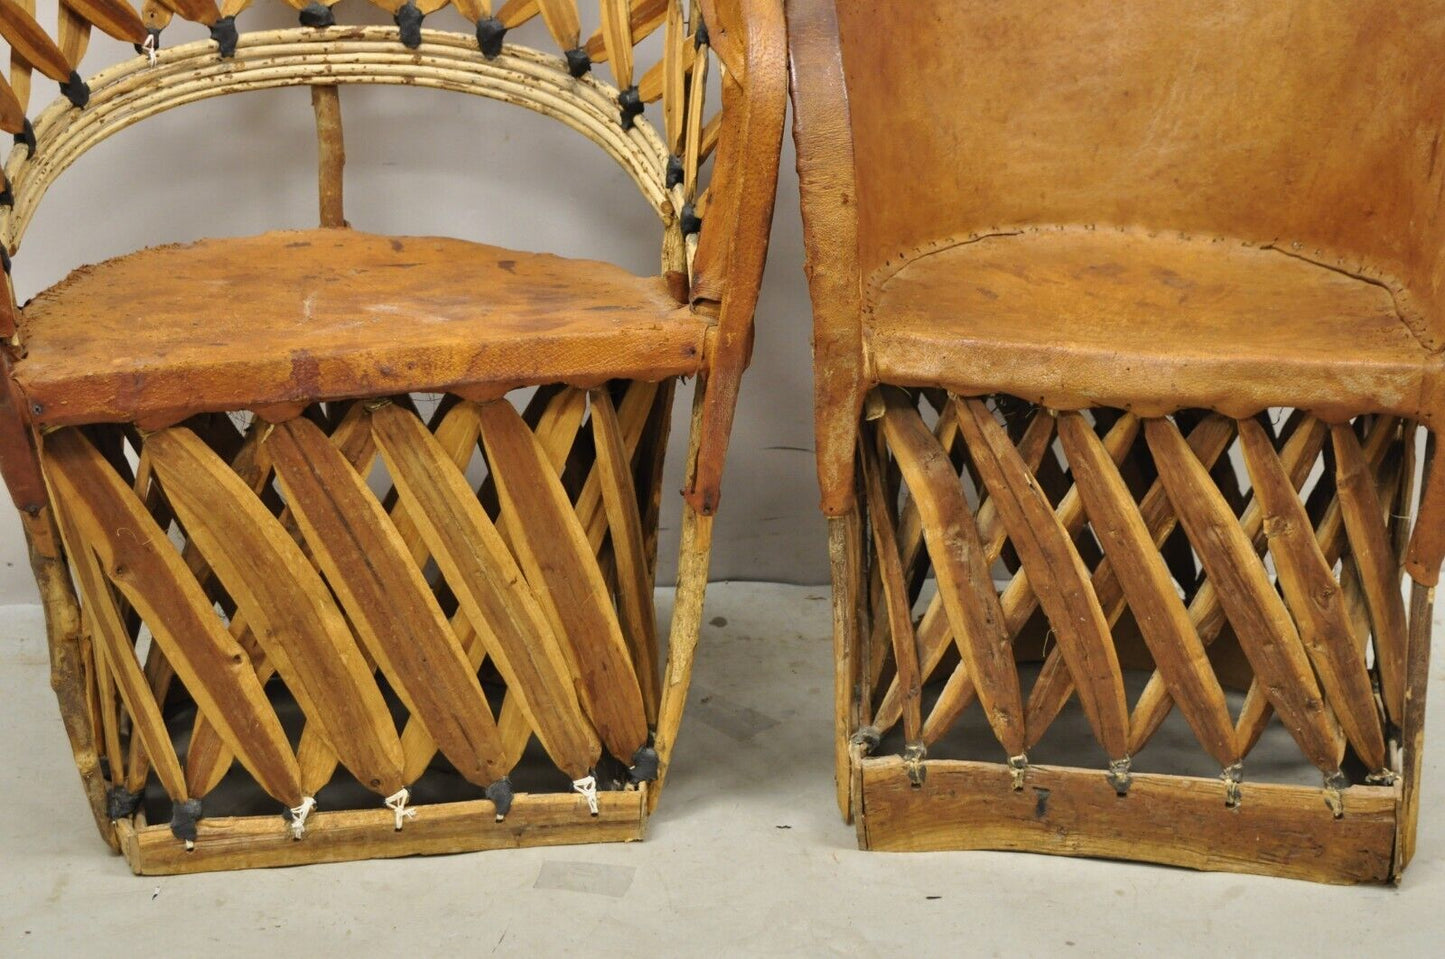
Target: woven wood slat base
[(1208, 554)]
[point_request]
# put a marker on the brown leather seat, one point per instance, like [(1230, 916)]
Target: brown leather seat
[(1080, 318), (296, 316)]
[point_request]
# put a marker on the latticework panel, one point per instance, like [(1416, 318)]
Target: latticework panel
[(1260, 555), (363, 600)]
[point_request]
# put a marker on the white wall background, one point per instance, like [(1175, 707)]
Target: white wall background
[(425, 162)]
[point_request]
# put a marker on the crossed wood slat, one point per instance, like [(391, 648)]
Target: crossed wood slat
[(1304, 629), (328, 590)]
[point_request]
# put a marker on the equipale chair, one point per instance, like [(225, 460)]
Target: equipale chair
[(294, 619), (1135, 308)]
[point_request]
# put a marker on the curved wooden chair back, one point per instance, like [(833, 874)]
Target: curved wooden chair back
[(650, 113), (1313, 126)]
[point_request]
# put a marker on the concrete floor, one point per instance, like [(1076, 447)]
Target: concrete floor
[(746, 856)]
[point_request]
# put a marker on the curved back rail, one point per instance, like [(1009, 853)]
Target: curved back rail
[(668, 161), (135, 90)]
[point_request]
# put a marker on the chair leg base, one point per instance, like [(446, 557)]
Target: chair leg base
[(247, 842), (1275, 830)]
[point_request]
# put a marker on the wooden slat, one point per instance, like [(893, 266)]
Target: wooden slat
[(457, 434), (1264, 627), (1379, 572), (1314, 597), (899, 615), (116, 18), (155, 14), (288, 607), (12, 110), (645, 17), (72, 34), (557, 428), (964, 577), (515, 729), (692, 154), (957, 695), (617, 39), (933, 633), (674, 77), (417, 745), (632, 416), (514, 13), (1146, 584), (1057, 573), (1298, 458), (1427, 542), (1054, 684), (204, 12), (139, 559), (613, 467), (384, 595), (105, 706), (489, 587), (28, 40), (561, 19), (552, 551), (473, 10), (119, 662), (207, 759)]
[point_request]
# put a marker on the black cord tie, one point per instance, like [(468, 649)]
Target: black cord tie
[(121, 803), (7, 198), (27, 137), (184, 816), (690, 222), (675, 173), (500, 793), (76, 90), (317, 16), (644, 765), (408, 19), (700, 37), (490, 33), (223, 31), (631, 103), (578, 62)]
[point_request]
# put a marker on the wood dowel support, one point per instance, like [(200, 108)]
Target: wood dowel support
[(331, 154)]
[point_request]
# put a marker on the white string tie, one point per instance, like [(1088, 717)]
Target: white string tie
[(587, 786), (149, 46), (396, 802), (299, 814)]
